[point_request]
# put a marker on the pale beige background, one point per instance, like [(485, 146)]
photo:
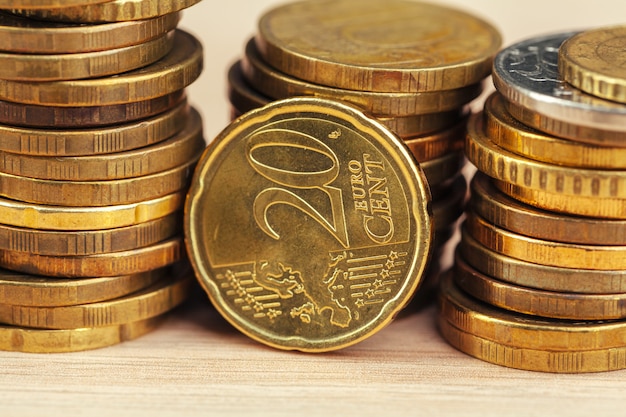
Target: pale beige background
[(224, 27)]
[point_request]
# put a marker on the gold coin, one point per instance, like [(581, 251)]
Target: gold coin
[(524, 342), (38, 67), (543, 277), (90, 242), (579, 361), (438, 171), (438, 144), (515, 169), (505, 212), (508, 133), (109, 264), (609, 208), (447, 210), (273, 83), (50, 118), (523, 331), (422, 124), (34, 36), (44, 4), (34, 216), (40, 291), (545, 252), (109, 11), (395, 46), (172, 73), (149, 160), (96, 193), (593, 62), (155, 300), (556, 127), (82, 142), (307, 224), (241, 95), (532, 301), (17, 339)]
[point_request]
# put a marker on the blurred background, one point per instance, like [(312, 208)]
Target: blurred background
[(224, 26)]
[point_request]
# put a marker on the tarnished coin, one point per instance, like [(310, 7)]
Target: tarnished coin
[(438, 144), (440, 170), (447, 210), (31, 36), (392, 46), (106, 11), (241, 95), (594, 62), (45, 4), (277, 85), (308, 224), (526, 73)]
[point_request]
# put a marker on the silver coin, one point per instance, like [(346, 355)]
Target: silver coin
[(526, 73)]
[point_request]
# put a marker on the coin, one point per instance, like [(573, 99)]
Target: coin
[(512, 135), (609, 208), (34, 290), (447, 210), (241, 95), (109, 11), (109, 264), (600, 360), (103, 140), (532, 301), (396, 46), (17, 339), (278, 85), (515, 169), (543, 277), (545, 252), (155, 300), (307, 224), (43, 67), (172, 73), (43, 4), (438, 144), (35, 36), (499, 209), (148, 160), (592, 61), (442, 169), (422, 124), (20, 214), (96, 193), (526, 74), (46, 117), (89, 242)]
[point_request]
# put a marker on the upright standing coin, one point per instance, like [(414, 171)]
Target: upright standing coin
[(594, 61), (307, 224), (392, 46)]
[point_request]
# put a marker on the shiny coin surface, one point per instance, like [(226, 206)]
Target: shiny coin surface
[(509, 133), (275, 84), (44, 4), (307, 224), (438, 144), (107, 11), (242, 96), (526, 73), (438, 171), (172, 73), (39, 291), (35, 36), (593, 61), (395, 46), (531, 301)]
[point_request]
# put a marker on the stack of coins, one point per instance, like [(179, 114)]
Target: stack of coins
[(539, 281), (412, 66), (97, 146)]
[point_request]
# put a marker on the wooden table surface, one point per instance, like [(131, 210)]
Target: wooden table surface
[(197, 364)]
